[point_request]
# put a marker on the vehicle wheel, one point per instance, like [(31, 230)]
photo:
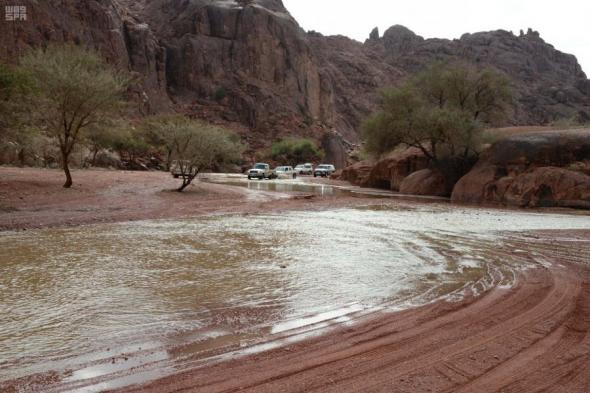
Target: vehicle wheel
[(176, 176), (249, 178), (294, 176), (314, 175)]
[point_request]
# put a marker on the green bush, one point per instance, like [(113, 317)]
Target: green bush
[(220, 94), (296, 151)]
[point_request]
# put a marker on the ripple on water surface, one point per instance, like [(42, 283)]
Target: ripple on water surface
[(82, 295)]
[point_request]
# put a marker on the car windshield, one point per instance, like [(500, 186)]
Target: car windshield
[(260, 166), (324, 167)]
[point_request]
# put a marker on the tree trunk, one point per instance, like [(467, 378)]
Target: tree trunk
[(21, 156), (186, 181), (168, 159), (94, 154), (65, 163)]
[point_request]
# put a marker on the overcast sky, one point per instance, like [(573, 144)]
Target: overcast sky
[(562, 23)]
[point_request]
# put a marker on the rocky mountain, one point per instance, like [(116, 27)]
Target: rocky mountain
[(248, 64)]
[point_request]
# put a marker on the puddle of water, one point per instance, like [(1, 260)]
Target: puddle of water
[(286, 186), (306, 185), (154, 294)]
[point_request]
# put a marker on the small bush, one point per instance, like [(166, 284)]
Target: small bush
[(296, 151), (220, 94)]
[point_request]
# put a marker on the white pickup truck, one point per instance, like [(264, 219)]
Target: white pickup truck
[(261, 171), (285, 172)]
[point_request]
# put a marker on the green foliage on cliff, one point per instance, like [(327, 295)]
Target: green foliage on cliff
[(442, 111), (296, 151)]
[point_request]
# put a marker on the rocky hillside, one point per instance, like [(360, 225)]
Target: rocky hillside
[(247, 63)]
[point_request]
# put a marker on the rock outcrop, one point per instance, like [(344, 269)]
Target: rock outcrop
[(425, 182), (248, 64), (357, 173), (390, 172), (531, 170)]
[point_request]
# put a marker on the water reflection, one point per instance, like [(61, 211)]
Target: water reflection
[(88, 298)]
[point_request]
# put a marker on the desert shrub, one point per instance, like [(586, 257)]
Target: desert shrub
[(220, 94), (197, 146), (296, 151)]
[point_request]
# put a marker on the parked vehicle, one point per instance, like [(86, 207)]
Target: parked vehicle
[(304, 169), (285, 172), (181, 168), (324, 170), (261, 171)]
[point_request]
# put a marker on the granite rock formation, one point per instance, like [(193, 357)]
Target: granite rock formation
[(248, 64), (531, 170)]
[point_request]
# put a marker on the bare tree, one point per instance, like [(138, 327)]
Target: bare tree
[(75, 89)]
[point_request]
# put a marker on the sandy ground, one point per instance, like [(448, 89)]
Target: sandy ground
[(534, 336), (33, 198)]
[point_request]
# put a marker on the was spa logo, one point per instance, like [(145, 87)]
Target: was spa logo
[(15, 13)]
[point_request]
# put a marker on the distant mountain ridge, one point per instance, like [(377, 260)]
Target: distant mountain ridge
[(248, 64)]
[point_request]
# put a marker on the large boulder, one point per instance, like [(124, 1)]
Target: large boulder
[(425, 182), (390, 172), (357, 173), (531, 170), (549, 186)]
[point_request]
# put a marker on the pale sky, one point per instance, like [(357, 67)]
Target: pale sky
[(563, 23)]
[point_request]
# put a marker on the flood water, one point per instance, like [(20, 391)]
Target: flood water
[(96, 301)]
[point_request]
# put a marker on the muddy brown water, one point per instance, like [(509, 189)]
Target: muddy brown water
[(105, 306)]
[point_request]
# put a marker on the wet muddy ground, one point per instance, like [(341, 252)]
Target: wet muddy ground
[(94, 307), (93, 303)]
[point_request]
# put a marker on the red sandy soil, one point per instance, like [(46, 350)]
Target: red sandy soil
[(534, 336), (34, 198)]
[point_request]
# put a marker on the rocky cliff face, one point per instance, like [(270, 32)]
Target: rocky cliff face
[(245, 61), (548, 84), (105, 25), (249, 64)]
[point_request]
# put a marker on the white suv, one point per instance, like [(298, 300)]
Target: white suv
[(324, 170), (304, 169)]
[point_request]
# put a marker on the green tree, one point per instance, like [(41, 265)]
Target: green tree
[(198, 146), (296, 151), (159, 132), (128, 142), (104, 136), (76, 89), (443, 112)]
